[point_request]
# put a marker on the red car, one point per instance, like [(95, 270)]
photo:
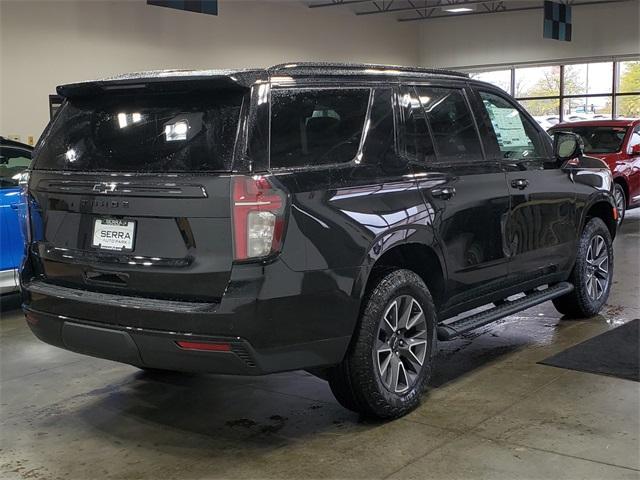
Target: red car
[(617, 142)]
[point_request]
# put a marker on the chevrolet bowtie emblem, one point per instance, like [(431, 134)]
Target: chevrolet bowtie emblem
[(104, 187)]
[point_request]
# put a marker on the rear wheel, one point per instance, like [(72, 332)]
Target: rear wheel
[(621, 201), (592, 273), (389, 362)]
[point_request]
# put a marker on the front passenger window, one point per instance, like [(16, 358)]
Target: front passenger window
[(517, 138)]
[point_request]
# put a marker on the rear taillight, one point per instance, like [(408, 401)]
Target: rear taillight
[(258, 217)]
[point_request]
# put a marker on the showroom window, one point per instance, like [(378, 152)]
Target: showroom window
[(311, 127), (499, 78), (572, 92)]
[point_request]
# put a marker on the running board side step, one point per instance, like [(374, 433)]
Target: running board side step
[(466, 324)]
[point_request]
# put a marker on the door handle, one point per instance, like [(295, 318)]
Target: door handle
[(444, 193), (14, 206), (520, 183)]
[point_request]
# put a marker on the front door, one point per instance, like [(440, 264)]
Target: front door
[(541, 228)]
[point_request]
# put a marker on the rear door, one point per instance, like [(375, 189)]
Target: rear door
[(542, 224), (334, 148), (131, 194), (465, 191)]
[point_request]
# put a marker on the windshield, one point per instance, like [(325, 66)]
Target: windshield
[(600, 139), (144, 133), (13, 162)]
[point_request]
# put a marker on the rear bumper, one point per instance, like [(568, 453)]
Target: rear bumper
[(159, 349), (9, 281), (274, 319), (140, 347)]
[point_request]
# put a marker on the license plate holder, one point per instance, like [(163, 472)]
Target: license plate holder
[(113, 234)]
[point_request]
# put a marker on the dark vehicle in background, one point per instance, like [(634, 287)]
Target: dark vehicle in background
[(617, 142), (15, 158), (334, 218)]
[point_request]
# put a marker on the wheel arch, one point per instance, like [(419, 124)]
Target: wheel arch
[(622, 181), (603, 209), (417, 257)]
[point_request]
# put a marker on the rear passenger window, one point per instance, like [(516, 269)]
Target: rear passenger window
[(379, 141), (417, 140), (316, 126), (517, 138), (452, 125)]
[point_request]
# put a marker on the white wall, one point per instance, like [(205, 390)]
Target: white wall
[(46, 43), (598, 30)]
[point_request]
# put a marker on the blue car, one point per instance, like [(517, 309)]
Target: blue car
[(15, 159)]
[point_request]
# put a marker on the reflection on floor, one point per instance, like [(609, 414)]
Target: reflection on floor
[(491, 411)]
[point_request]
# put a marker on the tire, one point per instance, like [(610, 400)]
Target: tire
[(621, 201), (370, 379), (591, 284)]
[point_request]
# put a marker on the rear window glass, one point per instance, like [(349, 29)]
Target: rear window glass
[(599, 139), (144, 133), (316, 126)]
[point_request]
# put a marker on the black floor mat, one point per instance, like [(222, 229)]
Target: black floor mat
[(615, 353)]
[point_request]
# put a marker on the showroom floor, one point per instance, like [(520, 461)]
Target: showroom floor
[(492, 411)]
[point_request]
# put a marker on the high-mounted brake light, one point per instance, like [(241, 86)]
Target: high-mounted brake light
[(258, 217)]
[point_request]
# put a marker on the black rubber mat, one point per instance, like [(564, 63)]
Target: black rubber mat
[(615, 353)]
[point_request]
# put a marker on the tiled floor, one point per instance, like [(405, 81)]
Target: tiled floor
[(492, 411)]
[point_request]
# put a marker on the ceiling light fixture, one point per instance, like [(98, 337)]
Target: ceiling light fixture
[(453, 9)]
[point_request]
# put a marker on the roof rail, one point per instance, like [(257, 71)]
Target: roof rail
[(282, 67)]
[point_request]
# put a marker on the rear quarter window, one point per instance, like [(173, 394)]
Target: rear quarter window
[(311, 127)]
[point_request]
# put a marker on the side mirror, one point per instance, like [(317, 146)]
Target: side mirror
[(567, 145), (635, 150)]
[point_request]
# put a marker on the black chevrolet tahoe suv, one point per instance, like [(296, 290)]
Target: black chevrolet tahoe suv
[(340, 219)]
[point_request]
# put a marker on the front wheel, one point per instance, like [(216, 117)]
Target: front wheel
[(592, 273), (388, 364)]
